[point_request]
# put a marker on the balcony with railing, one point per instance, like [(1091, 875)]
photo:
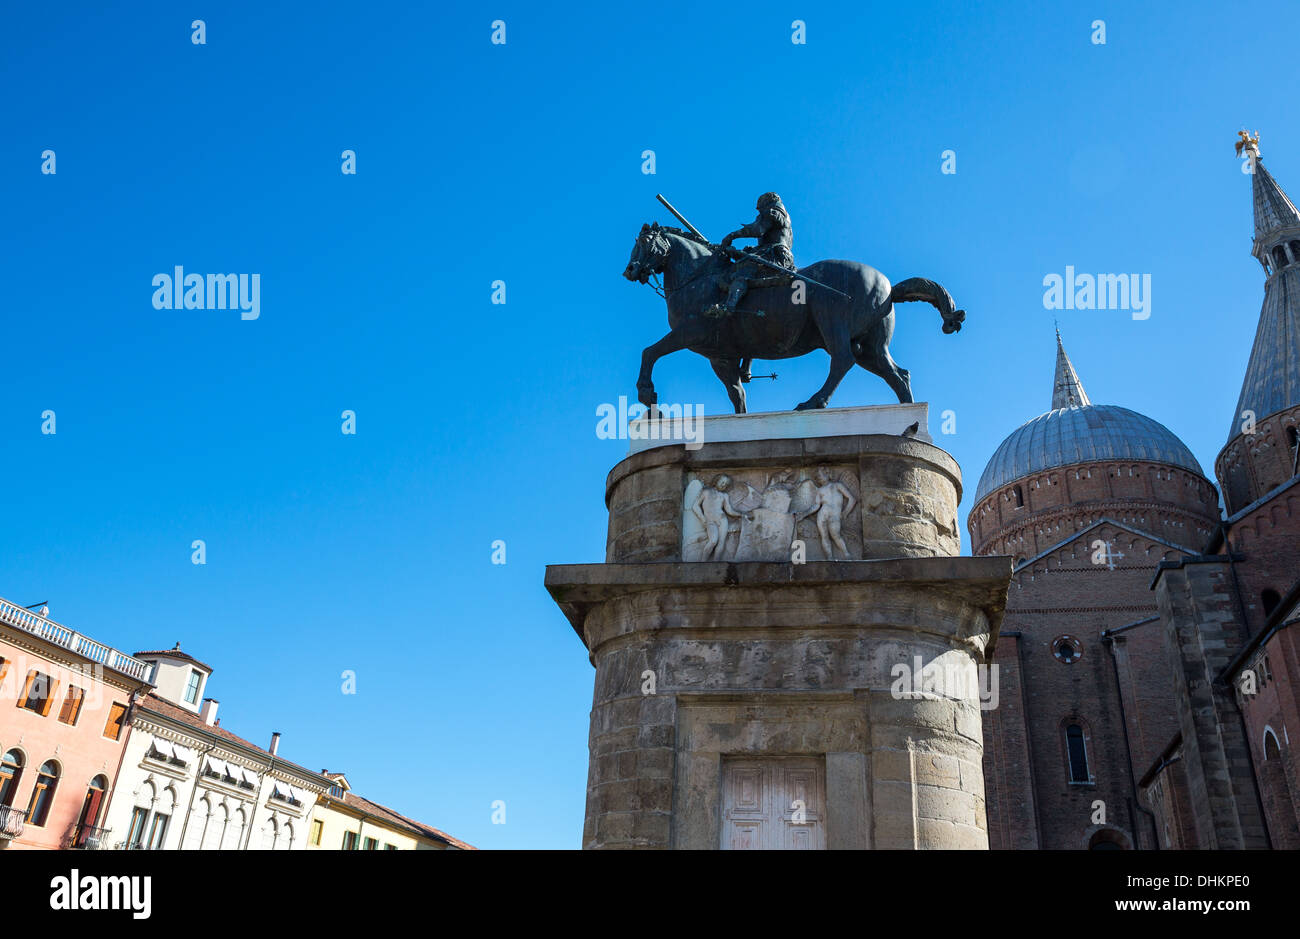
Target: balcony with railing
[(11, 823), (90, 838), (70, 639)]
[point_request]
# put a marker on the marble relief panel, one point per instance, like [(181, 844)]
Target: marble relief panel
[(759, 514)]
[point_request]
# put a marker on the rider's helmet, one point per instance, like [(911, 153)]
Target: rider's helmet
[(768, 198)]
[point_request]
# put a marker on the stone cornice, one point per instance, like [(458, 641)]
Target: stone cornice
[(69, 660), (254, 759), (977, 584)]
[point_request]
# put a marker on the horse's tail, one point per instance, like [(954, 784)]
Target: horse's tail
[(918, 288)]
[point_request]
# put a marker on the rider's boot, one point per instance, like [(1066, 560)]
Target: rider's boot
[(738, 288)]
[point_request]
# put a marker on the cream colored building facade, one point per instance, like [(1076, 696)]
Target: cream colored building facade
[(343, 821), (186, 782)]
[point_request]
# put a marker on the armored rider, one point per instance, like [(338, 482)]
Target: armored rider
[(775, 237)]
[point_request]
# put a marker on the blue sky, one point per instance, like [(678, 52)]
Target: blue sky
[(476, 421)]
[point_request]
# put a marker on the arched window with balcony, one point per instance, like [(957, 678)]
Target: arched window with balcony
[(88, 834), (11, 774), (47, 784)]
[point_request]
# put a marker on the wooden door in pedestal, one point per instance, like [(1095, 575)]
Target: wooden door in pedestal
[(773, 804)]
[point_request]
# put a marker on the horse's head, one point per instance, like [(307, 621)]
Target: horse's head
[(649, 254)]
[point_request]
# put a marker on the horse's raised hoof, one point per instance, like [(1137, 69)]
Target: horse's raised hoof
[(647, 396), (811, 404)]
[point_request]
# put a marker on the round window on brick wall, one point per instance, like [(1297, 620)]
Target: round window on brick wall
[(1067, 649)]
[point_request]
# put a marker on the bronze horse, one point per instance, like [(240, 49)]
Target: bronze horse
[(776, 322)]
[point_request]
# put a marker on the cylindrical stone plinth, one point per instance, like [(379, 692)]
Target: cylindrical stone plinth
[(762, 695)]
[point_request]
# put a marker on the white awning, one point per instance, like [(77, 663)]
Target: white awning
[(163, 747), (250, 777), (184, 754), (281, 789), (218, 766), (296, 794)]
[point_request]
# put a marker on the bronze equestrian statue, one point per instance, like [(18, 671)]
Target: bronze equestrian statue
[(843, 307)]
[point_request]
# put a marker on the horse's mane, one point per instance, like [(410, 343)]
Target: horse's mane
[(689, 236)]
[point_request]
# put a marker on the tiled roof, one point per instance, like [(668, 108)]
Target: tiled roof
[(400, 821), (175, 653), (153, 703)]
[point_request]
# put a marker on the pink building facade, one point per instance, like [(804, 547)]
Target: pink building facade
[(64, 700)]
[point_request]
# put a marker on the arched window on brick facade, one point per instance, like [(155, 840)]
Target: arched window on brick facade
[(1108, 839), (1076, 750), (1272, 750), (1270, 599), (1020, 497)]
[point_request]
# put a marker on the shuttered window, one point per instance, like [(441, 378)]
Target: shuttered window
[(38, 693), (113, 729), (72, 705)]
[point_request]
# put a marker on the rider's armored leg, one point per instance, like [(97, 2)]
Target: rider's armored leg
[(738, 287)]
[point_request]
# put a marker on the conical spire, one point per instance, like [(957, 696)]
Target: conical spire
[(1068, 391), (1274, 210), (1272, 380)]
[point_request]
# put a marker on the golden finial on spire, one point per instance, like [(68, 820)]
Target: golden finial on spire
[(1248, 143)]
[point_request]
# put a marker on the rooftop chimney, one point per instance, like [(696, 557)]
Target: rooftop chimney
[(275, 742), (208, 712)]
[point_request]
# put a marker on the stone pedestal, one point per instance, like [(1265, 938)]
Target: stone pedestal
[(770, 676)]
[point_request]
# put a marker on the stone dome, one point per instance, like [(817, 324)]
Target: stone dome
[(1082, 434)]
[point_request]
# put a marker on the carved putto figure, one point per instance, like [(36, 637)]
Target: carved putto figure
[(712, 507), (831, 502)]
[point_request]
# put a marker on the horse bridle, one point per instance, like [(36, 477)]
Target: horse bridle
[(659, 247)]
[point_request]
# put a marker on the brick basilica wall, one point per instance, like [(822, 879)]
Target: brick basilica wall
[(1117, 689)]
